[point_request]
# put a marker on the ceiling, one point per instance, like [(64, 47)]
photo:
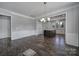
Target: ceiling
[(34, 9)]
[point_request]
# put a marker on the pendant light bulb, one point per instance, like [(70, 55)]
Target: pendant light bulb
[(48, 19)]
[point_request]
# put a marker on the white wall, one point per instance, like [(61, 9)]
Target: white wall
[(72, 19), (5, 26), (39, 27), (21, 26)]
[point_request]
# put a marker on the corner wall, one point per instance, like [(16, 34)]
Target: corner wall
[(72, 26), (5, 27), (21, 26)]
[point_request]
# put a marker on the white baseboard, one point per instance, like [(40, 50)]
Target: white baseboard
[(3, 36), (72, 39), (21, 34)]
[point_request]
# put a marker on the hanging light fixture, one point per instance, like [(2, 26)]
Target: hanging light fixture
[(45, 19)]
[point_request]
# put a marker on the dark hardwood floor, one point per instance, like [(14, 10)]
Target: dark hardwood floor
[(43, 46)]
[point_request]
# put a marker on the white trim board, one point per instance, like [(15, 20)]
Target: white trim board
[(18, 14), (21, 34), (3, 36), (72, 39)]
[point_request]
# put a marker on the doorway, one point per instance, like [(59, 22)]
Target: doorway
[(5, 31)]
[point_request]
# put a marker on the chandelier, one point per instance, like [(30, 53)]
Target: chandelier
[(45, 19)]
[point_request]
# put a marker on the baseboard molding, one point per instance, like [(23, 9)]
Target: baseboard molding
[(72, 39), (4, 37), (22, 34), (72, 46)]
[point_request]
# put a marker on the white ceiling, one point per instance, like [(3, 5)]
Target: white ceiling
[(34, 9)]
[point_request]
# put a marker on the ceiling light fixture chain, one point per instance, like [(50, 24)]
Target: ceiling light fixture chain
[(45, 19)]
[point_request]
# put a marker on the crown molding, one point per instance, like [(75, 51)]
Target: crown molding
[(63, 10), (18, 14)]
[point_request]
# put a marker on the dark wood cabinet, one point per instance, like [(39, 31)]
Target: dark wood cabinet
[(49, 33)]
